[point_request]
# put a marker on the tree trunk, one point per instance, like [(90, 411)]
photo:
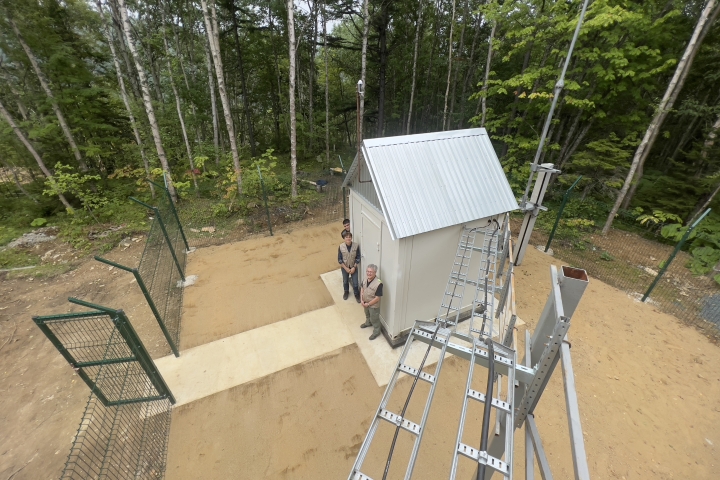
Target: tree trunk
[(414, 67), (666, 104), (293, 124), (33, 152), (125, 98), (277, 108), (213, 37), (178, 106), (116, 24), (707, 146), (450, 51), (311, 72), (16, 179), (382, 34), (213, 102), (154, 128), (363, 67), (327, 87), (470, 71), (460, 50), (56, 108), (483, 98), (243, 85)]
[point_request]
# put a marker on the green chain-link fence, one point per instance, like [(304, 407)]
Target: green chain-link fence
[(124, 430), (207, 221), (628, 258), (161, 271)]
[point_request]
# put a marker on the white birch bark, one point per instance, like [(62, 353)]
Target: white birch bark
[(213, 102), (213, 36), (33, 152), (665, 106), (147, 101), (125, 97), (483, 98), (363, 66), (450, 50), (53, 101), (293, 125), (414, 67), (327, 87), (178, 106)]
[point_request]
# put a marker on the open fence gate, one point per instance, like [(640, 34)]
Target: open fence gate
[(161, 271), (124, 430)]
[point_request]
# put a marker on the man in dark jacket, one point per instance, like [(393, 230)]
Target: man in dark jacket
[(349, 258)]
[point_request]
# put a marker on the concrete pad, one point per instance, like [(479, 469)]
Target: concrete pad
[(380, 357), (222, 364)]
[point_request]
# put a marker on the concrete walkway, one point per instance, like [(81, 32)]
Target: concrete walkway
[(216, 366), (226, 363)]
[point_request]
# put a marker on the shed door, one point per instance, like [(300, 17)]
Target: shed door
[(370, 244)]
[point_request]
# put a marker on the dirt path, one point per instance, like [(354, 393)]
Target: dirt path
[(245, 285)]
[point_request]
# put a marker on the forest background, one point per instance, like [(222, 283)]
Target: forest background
[(95, 97)]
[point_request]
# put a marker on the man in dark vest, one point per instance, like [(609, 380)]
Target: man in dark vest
[(371, 292), (349, 258), (346, 228)]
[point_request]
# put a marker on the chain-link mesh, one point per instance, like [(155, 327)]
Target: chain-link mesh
[(630, 261), (161, 277), (124, 430), (120, 442), (207, 221)]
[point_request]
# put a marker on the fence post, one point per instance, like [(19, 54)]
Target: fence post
[(566, 195), (267, 210), (673, 254), (174, 210)]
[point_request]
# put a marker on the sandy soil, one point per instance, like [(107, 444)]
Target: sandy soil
[(262, 280), (41, 398), (647, 387)]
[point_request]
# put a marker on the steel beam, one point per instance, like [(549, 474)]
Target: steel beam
[(573, 413), (543, 463)]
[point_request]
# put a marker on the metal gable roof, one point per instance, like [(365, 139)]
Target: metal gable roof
[(434, 180)]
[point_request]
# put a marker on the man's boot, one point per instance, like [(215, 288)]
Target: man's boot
[(346, 295)]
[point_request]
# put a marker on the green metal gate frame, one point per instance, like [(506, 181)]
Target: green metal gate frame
[(171, 233), (124, 431), (98, 344)]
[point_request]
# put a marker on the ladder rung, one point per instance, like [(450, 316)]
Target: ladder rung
[(413, 371), (404, 423), (497, 403), (449, 307), (483, 457), (361, 476)]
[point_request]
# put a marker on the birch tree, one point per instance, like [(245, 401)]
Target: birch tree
[(414, 66), (663, 109), (293, 125), (45, 84), (363, 67), (213, 101), (124, 96), (147, 101), (450, 51), (178, 106), (214, 40), (327, 86), (486, 78), (51, 180)]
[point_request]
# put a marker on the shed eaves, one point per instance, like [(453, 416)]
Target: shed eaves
[(434, 180)]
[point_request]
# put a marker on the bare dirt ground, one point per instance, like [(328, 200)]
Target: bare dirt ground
[(263, 280), (648, 387), (41, 398)]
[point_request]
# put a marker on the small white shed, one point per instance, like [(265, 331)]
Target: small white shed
[(410, 197)]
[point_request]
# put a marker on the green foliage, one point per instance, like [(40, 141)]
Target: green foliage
[(607, 257), (67, 181), (252, 187), (38, 222)]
